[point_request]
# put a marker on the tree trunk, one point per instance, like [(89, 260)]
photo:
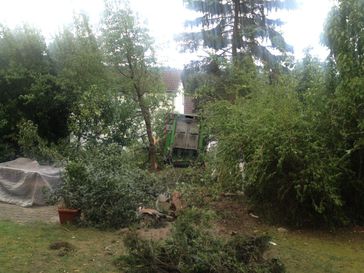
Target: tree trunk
[(236, 31), (148, 124), (152, 153)]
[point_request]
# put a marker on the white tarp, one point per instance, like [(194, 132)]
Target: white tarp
[(23, 182)]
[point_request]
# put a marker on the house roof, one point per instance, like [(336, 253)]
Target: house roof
[(172, 79)]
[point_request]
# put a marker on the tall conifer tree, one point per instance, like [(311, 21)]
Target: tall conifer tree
[(235, 27)]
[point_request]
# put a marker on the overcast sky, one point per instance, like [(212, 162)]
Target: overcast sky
[(165, 18)]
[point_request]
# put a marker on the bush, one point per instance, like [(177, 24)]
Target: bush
[(289, 172), (194, 183), (7, 152), (35, 147), (192, 248), (104, 183)]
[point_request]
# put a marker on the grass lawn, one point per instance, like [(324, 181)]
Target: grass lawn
[(25, 249), (318, 252), (308, 251)]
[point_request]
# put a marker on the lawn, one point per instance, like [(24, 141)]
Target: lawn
[(318, 252), (25, 249), (302, 251)]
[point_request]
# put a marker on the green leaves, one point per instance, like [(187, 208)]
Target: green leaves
[(28, 89), (103, 181), (234, 28), (193, 248), (289, 171), (344, 35), (129, 52), (300, 138)]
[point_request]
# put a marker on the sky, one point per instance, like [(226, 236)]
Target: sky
[(165, 19)]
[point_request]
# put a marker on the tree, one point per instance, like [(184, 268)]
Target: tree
[(236, 27), (344, 36), (77, 57), (129, 50), (217, 79), (97, 113), (28, 88), (309, 73)]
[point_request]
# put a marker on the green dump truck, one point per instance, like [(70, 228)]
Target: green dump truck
[(183, 139)]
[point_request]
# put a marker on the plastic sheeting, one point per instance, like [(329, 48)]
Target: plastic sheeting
[(23, 182)]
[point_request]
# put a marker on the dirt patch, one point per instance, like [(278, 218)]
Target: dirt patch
[(64, 248), (235, 217), (60, 244)]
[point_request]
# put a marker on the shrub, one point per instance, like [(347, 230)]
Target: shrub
[(289, 171), (103, 182), (7, 152), (192, 248), (193, 182), (35, 147)]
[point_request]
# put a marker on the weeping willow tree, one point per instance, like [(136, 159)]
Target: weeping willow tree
[(234, 27)]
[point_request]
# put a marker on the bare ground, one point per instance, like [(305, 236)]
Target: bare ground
[(22, 215)]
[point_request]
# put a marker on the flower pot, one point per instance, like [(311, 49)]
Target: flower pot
[(69, 215)]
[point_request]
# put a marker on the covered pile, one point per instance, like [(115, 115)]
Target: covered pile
[(23, 182)]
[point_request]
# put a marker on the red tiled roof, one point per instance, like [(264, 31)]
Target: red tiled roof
[(171, 79)]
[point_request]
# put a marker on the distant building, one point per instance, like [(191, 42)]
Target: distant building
[(172, 80)]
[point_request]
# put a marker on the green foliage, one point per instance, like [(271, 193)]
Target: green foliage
[(129, 52), (45, 86), (288, 169), (105, 184), (99, 112), (101, 115), (215, 79), (300, 137), (28, 88), (237, 27), (64, 90), (345, 38), (77, 57), (194, 183), (310, 74), (193, 248), (33, 146)]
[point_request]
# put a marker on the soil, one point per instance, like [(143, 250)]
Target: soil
[(235, 218)]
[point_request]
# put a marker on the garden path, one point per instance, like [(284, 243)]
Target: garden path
[(18, 214)]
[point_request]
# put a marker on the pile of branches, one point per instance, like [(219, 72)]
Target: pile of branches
[(192, 248)]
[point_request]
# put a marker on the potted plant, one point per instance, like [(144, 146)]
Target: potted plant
[(68, 196), (67, 215)]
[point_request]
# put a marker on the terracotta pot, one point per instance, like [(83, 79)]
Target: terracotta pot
[(68, 215)]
